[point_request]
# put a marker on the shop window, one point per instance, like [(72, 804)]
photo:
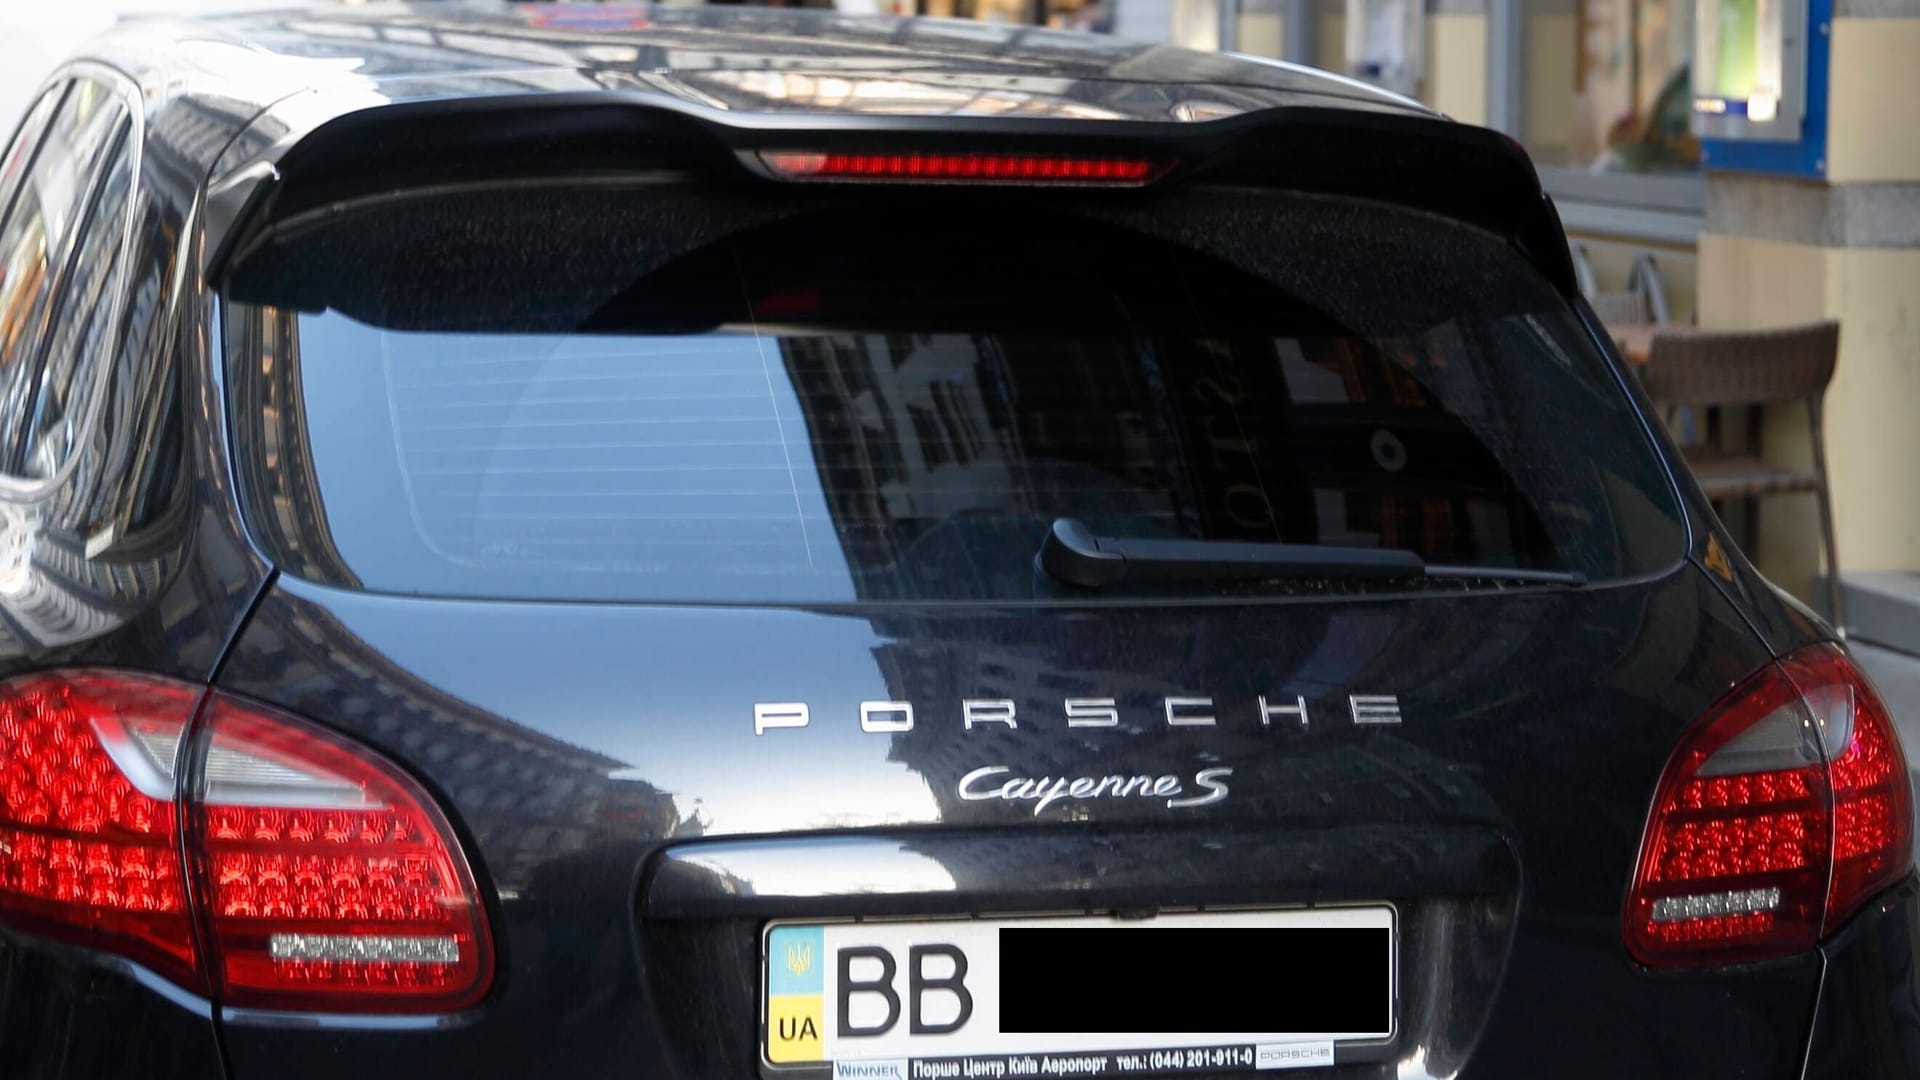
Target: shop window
[(1094, 15), (1599, 91), (1608, 90)]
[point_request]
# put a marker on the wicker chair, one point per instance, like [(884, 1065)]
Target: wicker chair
[(1750, 369)]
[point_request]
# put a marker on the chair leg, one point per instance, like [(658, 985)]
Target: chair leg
[(1835, 609)]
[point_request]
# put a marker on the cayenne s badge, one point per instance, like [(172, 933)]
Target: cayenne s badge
[(995, 782)]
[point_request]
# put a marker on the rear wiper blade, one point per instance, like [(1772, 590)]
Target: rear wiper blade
[(1076, 555)]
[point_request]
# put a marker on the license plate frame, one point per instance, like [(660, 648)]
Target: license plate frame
[(1133, 1053)]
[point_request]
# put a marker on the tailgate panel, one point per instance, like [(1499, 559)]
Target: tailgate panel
[(638, 832)]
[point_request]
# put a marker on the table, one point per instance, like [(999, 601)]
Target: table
[(1636, 339)]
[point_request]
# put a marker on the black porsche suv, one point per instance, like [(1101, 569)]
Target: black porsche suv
[(571, 541)]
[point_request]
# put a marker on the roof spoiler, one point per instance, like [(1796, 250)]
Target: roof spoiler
[(1469, 174)]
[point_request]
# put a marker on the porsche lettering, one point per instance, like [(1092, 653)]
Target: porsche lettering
[(1176, 711)]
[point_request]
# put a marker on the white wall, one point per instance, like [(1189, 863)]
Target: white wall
[(1142, 20), (36, 35), (1196, 24)]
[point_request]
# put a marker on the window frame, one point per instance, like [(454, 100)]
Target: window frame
[(90, 373)]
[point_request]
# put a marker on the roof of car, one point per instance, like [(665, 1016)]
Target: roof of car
[(729, 58), (272, 113)]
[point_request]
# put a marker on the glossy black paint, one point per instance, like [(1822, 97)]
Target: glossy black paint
[(1868, 1022), (640, 721), (751, 61), (632, 831), (137, 559)]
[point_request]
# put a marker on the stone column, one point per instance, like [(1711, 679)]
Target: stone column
[(1457, 59)]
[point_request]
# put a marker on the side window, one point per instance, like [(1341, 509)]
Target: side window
[(58, 251), (23, 255), (81, 334), (25, 141)]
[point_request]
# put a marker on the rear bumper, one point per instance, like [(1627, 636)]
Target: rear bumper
[(68, 1012), (1866, 1025)]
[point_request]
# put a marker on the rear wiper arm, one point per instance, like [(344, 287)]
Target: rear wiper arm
[(1074, 554)]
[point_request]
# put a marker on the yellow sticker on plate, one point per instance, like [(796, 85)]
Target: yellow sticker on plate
[(796, 994)]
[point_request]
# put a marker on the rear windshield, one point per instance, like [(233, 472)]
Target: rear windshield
[(651, 392)]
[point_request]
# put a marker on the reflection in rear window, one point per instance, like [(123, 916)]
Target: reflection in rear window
[(673, 398)]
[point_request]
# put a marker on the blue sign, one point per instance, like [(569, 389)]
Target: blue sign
[(1803, 156)]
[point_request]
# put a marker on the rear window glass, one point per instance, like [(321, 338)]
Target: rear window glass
[(654, 393)]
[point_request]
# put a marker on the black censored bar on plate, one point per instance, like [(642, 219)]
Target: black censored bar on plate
[(1305, 979)]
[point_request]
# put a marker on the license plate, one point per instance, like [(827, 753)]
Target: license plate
[(1076, 996)]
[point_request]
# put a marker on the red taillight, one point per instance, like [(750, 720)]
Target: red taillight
[(1785, 810), (89, 843), (963, 168), (323, 878), (330, 881), (1867, 776)]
